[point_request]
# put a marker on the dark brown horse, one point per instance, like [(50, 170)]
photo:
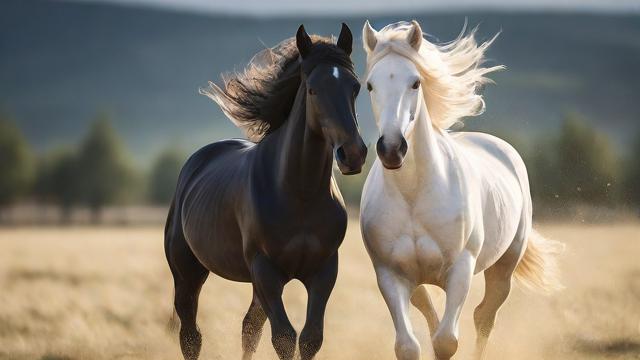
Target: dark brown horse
[(269, 211)]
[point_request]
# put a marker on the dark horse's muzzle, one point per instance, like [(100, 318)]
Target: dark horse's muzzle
[(351, 156), (391, 153)]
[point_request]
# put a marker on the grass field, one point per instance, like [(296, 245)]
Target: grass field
[(106, 293)]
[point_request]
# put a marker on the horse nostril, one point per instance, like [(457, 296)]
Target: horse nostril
[(341, 155), (364, 150), (403, 147), (380, 148)]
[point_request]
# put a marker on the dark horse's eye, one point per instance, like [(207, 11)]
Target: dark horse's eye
[(369, 87), (416, 84), (311, 91)]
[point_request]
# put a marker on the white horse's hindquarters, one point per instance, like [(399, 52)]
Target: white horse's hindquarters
[(505, 212)]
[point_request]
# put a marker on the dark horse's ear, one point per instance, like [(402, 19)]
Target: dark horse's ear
[(345, 40), (303, 41)]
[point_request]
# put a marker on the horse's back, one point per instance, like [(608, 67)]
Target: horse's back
[(493, 151), (209, 188), (210, 168), (209, 154)]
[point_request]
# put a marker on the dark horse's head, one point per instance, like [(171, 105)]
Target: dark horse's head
[(260, 99), (332, 87)]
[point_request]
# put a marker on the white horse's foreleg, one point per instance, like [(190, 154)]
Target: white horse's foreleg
[(421, 300), (397, 292), (445, 340)]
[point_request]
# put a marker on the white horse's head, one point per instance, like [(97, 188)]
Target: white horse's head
[(407, 75), (394, 86)]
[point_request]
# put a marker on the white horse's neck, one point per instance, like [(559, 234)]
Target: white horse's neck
[(428, 157)]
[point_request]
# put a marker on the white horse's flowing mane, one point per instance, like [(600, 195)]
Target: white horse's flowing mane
[(451, 72)]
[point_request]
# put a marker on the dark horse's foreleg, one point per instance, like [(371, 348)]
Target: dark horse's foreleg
[(188, 277), (252, 328), (268, 283), (319, 288)]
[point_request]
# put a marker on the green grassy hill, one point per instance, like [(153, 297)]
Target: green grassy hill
[(61, 63)]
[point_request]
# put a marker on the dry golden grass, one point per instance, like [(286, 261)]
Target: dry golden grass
[(106, 293)]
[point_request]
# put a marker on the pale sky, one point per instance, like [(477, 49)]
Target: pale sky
[(372, 7)]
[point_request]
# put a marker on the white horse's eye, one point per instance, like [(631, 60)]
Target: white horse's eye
[(416, 85), (369, 87)]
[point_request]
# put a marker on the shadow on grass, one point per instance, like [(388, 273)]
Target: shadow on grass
[(55, 357), (613, 347), (71, 279)]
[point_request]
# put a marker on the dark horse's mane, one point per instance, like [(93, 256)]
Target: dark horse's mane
[(258, 100)]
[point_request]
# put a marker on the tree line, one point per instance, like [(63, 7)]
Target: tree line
[(578, 165), (96, 173)]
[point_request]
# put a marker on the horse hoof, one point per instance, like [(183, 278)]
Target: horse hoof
[(408, 349), (444, 346)]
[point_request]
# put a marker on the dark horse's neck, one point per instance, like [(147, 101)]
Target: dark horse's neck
[(303, 159)]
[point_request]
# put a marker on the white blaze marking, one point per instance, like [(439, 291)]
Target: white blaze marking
[(335, 72)]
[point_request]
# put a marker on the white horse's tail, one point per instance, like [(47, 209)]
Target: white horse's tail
[(538, 268)]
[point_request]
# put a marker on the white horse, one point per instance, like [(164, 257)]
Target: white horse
[(439, 207)]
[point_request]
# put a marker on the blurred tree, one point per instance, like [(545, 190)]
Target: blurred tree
[(164, 176), (105, 173), (16, 163), (587, 164), (542, 166), (58, 181), (632, 175)]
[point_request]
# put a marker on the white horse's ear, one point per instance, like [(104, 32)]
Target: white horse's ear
[(415, 35), (369, 39)]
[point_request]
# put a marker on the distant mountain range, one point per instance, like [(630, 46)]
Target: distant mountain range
[(62, 63)]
